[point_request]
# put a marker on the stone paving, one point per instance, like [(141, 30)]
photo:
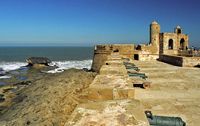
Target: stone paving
[(175, 91)]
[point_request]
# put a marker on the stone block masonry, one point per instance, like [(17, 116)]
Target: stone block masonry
[(180, 60), (111, 96), (109, 113)]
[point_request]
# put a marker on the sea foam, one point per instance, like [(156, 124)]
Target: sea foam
[(4, 77), (8, 66), (62, 65)]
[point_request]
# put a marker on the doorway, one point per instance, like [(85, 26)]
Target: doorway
[(170, 44), (182, 43), (136, 57)]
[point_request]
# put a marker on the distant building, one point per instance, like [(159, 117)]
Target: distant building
[(162, 43), (170, 43), (167, 47)]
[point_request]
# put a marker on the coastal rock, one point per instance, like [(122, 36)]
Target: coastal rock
[(38, 62), (2, 99), (48, 101), (2, 72), (50, 68)]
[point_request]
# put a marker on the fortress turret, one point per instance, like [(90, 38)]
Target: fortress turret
[(154, 35), (178, 30)]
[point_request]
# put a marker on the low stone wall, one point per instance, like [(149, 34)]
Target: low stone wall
[(109, 113), (148, 57), (99, 60), (180, 61), (101, 53), (111, 94), (191, 61), (174, 60)]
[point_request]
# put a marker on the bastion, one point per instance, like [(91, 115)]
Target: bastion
[(169, 47)]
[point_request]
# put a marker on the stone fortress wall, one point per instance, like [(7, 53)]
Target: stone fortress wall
[(163, 46), (115, 89), (101, 53)]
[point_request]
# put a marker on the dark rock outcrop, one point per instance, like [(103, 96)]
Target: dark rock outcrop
[(2, 72), (38, 60), (2, 99)]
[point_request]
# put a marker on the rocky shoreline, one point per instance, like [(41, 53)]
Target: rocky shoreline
[(46, 101), (119, 95)]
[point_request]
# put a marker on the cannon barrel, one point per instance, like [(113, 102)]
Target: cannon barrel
[(127, 63), (134, 68), (137, 74), (143, 76), (164, 120)]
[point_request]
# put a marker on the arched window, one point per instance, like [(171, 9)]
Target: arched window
[(182, 43), (170, 44), (179, 31), (139, 47)]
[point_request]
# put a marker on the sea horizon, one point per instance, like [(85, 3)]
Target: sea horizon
[(12, 58)]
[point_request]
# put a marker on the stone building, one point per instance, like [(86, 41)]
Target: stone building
[(162, 43), (171, 43), (165, 46)]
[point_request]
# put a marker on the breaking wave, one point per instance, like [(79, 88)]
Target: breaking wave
[(8, 66), (79, 64), (63, 65)]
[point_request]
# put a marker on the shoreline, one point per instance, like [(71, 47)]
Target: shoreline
[(47, 98), (120, 94)]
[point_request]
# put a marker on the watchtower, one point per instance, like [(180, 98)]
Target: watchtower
[(154, 35), (178, 30)]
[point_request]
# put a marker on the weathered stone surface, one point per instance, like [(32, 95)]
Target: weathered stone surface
[(108, 87), (174, 91), (100, 94), (123, 93), (109, 113), (180, 60), (114, 70), (114, 62), (103, 53)]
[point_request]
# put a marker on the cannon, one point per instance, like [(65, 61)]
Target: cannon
[(164, 120), (143, 85), (142, 75), (134, 68), (126, 64), (131, 66)]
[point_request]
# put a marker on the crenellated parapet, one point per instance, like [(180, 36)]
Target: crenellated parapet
[(101, 53)]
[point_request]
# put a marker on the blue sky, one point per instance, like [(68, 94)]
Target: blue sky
[(88, 22)]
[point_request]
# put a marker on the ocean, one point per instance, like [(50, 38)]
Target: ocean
[(12, 58)]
